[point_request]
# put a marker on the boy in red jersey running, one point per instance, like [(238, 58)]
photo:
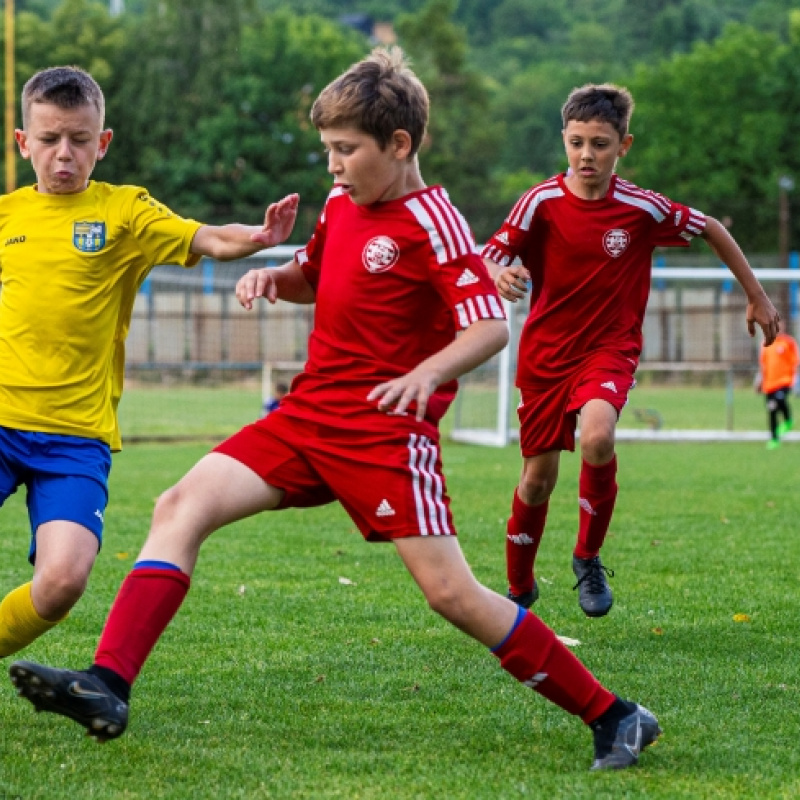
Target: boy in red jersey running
[(585, 240), (394, 273)]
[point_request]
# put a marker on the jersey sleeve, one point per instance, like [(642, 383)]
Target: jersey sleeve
[(679, 226), (467, 287), (508, 242), (456, 270), (162, 235)]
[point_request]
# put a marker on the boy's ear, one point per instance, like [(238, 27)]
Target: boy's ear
[(625, 144), (105, 140), (22, 143), (401, 144)]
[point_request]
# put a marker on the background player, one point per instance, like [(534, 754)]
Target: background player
[(776, 377), (73, 253), (393, 270), (585, 240)]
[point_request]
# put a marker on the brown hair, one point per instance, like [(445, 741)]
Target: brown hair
[(65, 87), (605, 102), (379, 95)]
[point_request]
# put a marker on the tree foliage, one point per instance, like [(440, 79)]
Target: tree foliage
[(210, 100)]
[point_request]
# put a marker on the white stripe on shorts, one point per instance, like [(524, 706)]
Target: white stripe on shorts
[(428, 486)]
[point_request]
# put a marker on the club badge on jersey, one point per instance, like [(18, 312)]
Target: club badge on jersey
[(380, 254), (89, 237)]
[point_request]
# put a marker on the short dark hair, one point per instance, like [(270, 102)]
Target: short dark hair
[(378, 96), (605, 101), (65, 87)]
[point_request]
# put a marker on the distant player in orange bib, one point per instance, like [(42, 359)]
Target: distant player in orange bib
[(778, 369)]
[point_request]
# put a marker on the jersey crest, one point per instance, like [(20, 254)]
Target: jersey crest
[(616, 241), (89, 237), (380, 254)]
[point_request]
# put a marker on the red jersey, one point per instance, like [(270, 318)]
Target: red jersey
[(394, 283), (589, 262)]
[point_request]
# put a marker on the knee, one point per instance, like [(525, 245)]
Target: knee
[(57, 588), (171, 506), (535, 488), (597, 445), (450, 602)]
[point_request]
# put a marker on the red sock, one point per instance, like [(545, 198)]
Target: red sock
[(146, 602), (534, 656), (598, 493), (523, 534)]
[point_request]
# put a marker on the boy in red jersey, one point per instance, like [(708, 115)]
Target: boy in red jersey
[(394, 273), (585, 240), (73, 253), (778, 364)]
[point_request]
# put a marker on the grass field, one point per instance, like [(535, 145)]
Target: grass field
[(218, 412), (277, 680)]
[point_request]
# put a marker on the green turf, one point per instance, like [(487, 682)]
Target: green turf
[(276, 680), (217, 412)]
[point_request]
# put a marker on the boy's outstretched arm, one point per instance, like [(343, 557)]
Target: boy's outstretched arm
[(759, 307), (479, 342), (275, 283), (227, 242)]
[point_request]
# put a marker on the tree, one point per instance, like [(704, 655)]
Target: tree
[(80, 33), (710, 130), (463, 140)]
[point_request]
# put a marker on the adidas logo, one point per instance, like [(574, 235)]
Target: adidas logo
[(502, 237), (467, 278), (609, 385), (384, 509), (520, 538), (587, 506), (533, 682)]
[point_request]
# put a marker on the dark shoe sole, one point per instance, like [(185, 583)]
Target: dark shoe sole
[(44, 688)]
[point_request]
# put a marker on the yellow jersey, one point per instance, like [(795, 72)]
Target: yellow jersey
[(70, 268)]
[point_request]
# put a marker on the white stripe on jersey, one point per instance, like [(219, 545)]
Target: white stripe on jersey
[(655, 198), (697, 222), (496, 308), (335, 192), (521, 215), (427, 487), (477, 308), (496, 255), (448, 231), (641, 200)]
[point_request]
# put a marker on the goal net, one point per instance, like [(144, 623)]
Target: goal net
[(696, 376)]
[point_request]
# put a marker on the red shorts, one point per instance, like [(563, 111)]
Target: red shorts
[(390, 482), (548, 411)]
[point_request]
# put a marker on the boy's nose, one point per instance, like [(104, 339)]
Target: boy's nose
[(64, 151)]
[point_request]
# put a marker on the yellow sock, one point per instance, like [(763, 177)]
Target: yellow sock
[(20, 624)]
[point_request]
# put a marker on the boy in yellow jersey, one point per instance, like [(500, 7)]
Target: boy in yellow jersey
[(73, 253), (778, 364)]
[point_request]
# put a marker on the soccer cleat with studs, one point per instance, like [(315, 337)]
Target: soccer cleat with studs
[(594, 595), (617, 746), (80, 696), (526, 599)]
